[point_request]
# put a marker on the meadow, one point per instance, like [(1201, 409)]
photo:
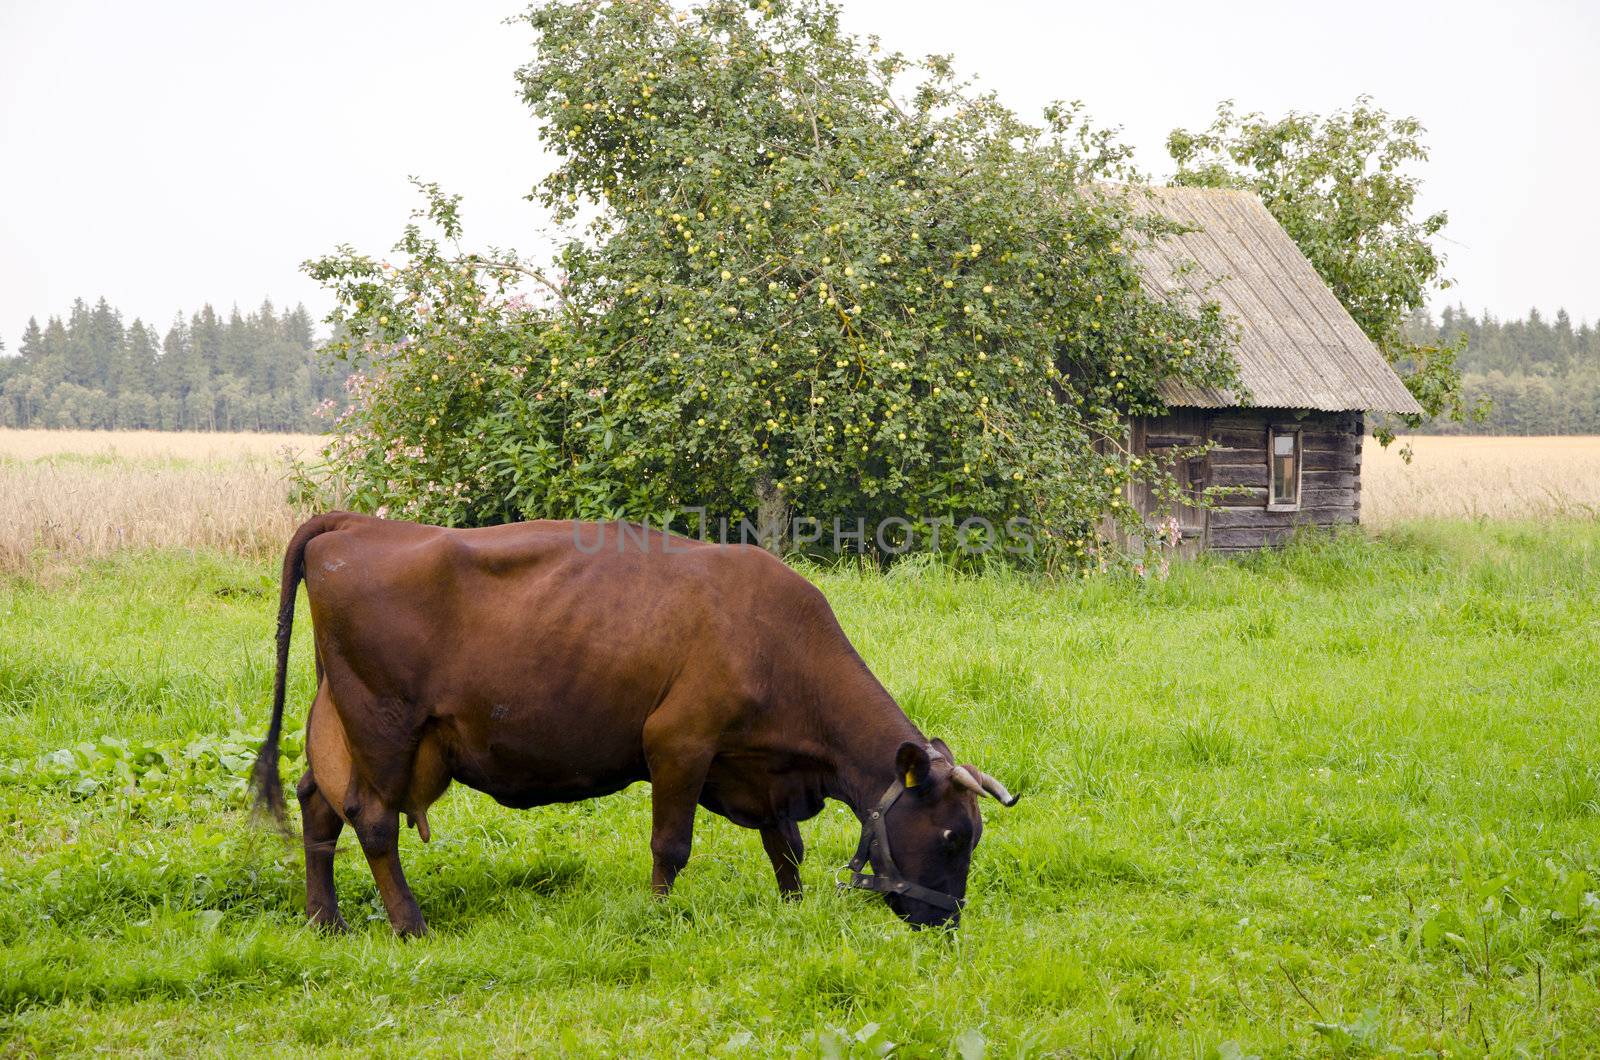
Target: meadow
[(1342, 799)]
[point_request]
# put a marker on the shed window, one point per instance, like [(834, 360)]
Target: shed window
[(1285, 457)]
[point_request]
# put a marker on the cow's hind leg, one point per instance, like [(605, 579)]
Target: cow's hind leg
[(785, 850), (371, 744), (377, 823), (320, 828), (378, 828), (375, 815)]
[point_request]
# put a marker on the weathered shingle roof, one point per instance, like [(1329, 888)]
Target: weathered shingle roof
[(1298, 347)]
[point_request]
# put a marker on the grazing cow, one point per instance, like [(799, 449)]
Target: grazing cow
[(549, 662)]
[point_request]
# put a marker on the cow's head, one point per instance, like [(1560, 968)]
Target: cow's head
[(935, 826)]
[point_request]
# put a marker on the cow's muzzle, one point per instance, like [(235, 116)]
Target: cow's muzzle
[(885, 878)]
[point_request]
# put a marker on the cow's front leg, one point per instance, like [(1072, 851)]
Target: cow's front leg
[(785, 850), (320, 826), (378, 828), (679, 760), (674, 793)]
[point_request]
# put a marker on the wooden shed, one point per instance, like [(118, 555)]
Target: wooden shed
[(1291, 444)]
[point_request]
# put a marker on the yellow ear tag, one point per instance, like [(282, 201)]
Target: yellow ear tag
[(911, 780)]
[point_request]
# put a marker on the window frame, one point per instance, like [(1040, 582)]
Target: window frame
[(1273, 434)]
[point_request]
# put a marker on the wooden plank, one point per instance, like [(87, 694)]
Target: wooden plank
[(1232, 517), (1241, 419), (1260, 419), (1177, 421), (1233, 457), (1332, 461), (1327, 498), (1329, 516), (1240, 439), (1320, 442), (1329, 480), (1235, 540), (1243, 497), (1169, 441), (1254, 537), (1330, 422), (1241, 475), (1310, 441)]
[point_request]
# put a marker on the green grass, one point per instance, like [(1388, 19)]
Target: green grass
[(1336, 800)]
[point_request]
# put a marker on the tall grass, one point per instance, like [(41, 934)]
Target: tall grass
[(1339, 799), (68, 496)]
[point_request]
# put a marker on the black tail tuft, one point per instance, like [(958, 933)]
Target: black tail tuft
[(267, 784)]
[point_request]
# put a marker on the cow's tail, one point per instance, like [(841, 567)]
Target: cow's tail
[(264, 778)]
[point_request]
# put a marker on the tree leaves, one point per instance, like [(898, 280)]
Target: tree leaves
[(778, 271)]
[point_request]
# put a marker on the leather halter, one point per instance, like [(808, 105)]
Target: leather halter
[(886, 878)]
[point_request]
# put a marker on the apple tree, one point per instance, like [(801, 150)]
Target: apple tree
[(804, 276)]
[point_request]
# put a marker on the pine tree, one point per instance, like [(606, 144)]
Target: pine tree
[(174, 371), (79, 352), (53, 363), (235, 344), (32, 349), (205, 338), (138, 368), (106, 337)]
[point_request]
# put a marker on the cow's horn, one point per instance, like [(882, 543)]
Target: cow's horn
[(961, 776), (997, 789)]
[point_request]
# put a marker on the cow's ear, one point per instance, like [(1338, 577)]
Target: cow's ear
[(912, 764)]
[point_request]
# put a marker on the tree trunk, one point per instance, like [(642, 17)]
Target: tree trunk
[(772, 516)]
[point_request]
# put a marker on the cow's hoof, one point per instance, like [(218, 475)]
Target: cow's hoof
[(329, 924), (412, 929)]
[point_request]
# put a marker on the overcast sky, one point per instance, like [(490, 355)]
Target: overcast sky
[(171, 152)]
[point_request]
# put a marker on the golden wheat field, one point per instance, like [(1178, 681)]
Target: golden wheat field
[(1490, 478), (72, 495)]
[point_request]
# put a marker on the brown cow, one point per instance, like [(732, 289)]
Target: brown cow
[(549, 662)]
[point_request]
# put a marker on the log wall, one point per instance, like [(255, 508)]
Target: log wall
[(1330, 483)]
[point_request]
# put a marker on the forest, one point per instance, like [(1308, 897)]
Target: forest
[(263, 371), (1536, 375), (255, 371)]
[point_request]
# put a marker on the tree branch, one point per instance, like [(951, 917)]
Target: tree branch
[(511, 266)]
